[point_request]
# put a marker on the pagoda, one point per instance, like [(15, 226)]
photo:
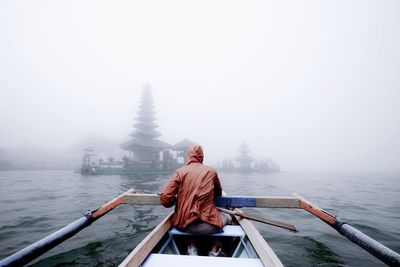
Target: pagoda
[(144, 147), (244, 159)]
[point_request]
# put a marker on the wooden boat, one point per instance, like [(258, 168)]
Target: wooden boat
[(242, 245)]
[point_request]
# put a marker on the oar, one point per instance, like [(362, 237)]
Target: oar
[(33, 251), (286, 226), (383, 253)]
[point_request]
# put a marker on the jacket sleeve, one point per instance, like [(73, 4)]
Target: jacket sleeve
[(169, 191), (217, 186)]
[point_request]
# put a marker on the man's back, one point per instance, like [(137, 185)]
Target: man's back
[(195, 186)]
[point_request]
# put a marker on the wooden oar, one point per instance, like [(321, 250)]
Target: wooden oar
[(286, 226), (380, 251), (40, 247)]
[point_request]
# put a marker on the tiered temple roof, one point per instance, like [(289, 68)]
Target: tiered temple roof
[(144, 136)]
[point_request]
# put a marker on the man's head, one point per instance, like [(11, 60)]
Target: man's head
[(195, 154)]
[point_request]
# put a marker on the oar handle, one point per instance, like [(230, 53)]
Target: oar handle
[(380, 251), (40, 247)]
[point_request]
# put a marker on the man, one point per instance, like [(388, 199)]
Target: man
[(192, 188)]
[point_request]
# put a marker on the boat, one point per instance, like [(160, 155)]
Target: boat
[(242, 242), (242, 245)]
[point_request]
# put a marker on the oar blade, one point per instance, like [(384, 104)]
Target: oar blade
[(286, 226)]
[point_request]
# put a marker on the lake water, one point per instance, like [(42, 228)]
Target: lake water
[(37, 203)]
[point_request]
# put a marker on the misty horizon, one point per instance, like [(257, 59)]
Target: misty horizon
[(312, 85)]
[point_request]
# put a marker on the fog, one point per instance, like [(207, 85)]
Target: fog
[(314, 85)]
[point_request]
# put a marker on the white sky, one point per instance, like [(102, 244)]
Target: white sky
[(311, 84)]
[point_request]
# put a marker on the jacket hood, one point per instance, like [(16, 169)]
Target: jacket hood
[(194, 154)]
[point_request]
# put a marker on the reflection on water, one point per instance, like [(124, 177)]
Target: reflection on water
[(319, 253), (37, 203)]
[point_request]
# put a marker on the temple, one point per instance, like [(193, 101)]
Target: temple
[(145, 151), (144, 147), (244, 159), (246, 163)]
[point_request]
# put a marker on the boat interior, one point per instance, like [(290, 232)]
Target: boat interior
[(235, 244)]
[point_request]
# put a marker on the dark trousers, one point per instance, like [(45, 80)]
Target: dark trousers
[(200, 227)]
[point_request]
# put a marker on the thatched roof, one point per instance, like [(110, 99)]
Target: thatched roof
[(134, 143)]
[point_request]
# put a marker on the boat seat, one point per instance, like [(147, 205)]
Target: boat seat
[(198, 261), (228, 230)]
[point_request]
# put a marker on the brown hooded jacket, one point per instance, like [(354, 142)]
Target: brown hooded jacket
[(193, 188)]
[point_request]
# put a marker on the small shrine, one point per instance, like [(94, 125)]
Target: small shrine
[(181, 148), (246, 163)]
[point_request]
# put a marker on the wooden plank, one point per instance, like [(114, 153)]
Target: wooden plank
[(232, 201), (264, 251), (157, 260), (139, 254), (257, 202), (277, 202)]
